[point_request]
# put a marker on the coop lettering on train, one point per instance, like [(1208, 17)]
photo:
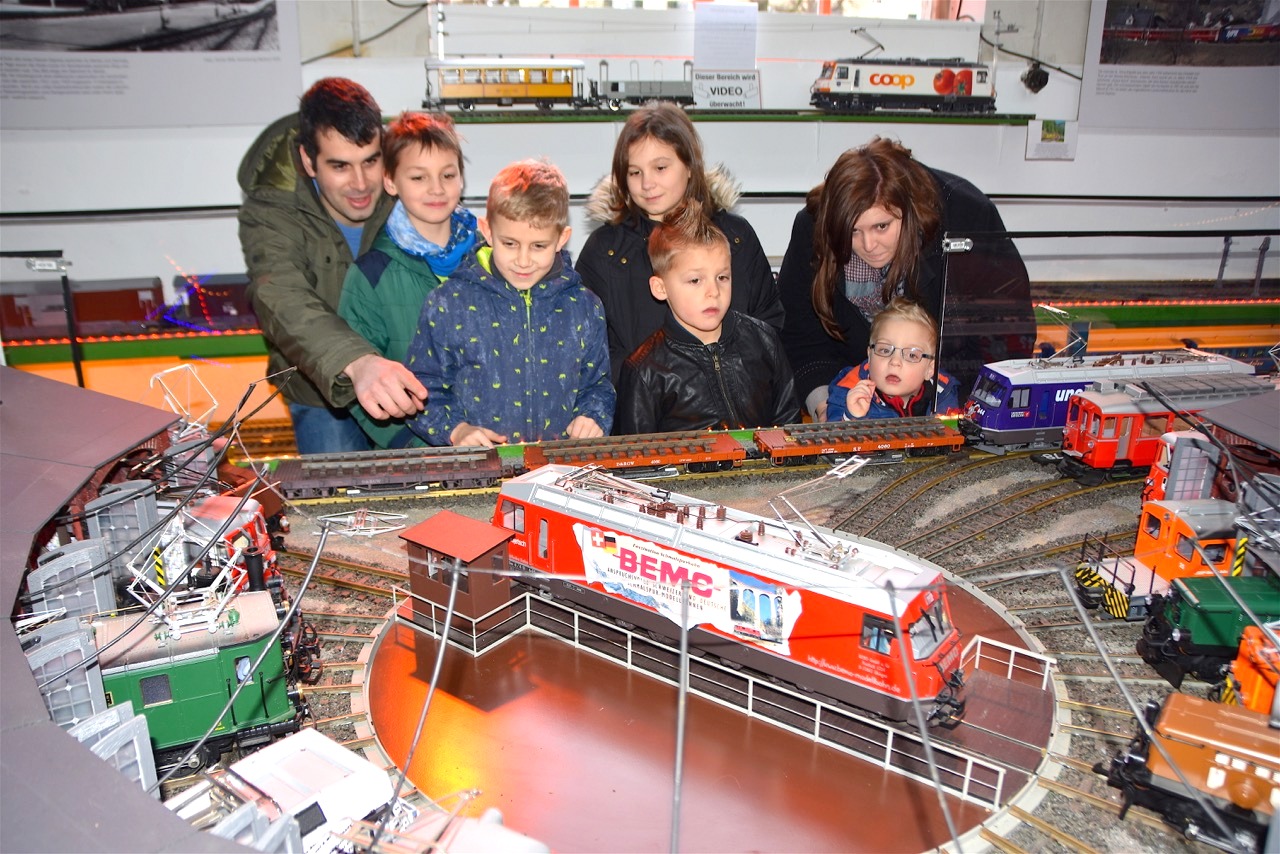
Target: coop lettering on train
[(663, 572), (902, 81)]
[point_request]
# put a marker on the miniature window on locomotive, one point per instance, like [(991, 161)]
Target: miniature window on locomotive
[(513, 516), (987, 391), (842, 72), (493, 75), (876, 634), (155, 690), (1155, 426), (451, 75), (1151, 525), (471, 75), (930, 630), (537, 75), (515, 75), (560, 75), (1185, 548)]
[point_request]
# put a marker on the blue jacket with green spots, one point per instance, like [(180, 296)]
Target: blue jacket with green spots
[(521, 363)]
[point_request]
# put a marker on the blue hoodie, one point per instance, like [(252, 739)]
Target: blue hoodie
[(521, 363)]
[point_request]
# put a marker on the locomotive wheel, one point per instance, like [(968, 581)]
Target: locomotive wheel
[(1093, 477), (614, 105)]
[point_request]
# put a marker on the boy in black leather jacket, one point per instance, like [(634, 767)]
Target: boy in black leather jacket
[(709, 366)]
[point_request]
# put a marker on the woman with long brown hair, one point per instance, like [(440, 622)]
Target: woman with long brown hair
[(873, 231)]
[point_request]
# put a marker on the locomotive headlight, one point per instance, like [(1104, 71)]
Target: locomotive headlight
[(1176, 635)]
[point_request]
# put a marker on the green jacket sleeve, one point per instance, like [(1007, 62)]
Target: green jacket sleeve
[(295, 277)]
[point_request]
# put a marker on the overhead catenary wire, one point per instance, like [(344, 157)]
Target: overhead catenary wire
[(230, 427), (267, 649), (454, 574)]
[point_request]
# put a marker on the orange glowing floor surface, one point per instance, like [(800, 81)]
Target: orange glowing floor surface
[(579, 753)]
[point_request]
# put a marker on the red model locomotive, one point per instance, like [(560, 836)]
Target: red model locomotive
[(814, 607)]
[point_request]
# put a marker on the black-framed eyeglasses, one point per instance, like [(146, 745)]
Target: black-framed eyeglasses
[(911, 355)]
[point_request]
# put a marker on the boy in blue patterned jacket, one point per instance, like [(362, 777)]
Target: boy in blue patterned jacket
[(512, 348)]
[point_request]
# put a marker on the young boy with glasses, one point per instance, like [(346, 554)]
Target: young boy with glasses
[(898, 378)]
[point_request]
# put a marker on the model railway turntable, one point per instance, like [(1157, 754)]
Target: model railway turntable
[(806, 633)]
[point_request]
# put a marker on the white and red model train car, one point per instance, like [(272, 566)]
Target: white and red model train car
[(817, 608), (939, 85)]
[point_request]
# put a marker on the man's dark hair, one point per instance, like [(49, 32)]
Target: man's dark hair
[(341, 104)]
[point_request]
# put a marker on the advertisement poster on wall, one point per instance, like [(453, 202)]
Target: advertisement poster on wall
[(1172, 64), (147, 63)]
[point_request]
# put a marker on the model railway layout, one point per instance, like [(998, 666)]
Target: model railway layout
[(210, 566)]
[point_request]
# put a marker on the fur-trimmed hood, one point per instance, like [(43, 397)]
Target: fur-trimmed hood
[(725, 192)]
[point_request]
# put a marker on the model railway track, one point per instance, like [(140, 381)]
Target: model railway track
[(263, 439), (346, 575), (337, 701), (1006, 510), (883, 504), (1122, 541)]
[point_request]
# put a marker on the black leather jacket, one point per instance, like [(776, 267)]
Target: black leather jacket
[(614, 262), (675, 382)]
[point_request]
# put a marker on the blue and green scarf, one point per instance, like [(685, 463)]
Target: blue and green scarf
[(443, 260)]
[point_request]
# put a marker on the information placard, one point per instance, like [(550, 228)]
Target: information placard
[(727, 90)]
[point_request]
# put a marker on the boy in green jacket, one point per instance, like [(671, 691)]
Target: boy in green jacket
[(425, 238)]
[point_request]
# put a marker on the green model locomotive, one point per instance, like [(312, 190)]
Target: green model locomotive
[(181, 671), (1195, 628)]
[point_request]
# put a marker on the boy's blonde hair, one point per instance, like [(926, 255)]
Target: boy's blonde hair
[(904, 309), (684, 228), (532, 191), (429, 130)]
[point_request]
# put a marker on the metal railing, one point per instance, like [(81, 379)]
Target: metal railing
[(969, 777)]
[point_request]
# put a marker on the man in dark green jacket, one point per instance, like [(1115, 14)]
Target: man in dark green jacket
[(314, 201)]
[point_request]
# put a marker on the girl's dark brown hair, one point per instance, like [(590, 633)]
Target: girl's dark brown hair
[(882, 174), (665, 122)]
